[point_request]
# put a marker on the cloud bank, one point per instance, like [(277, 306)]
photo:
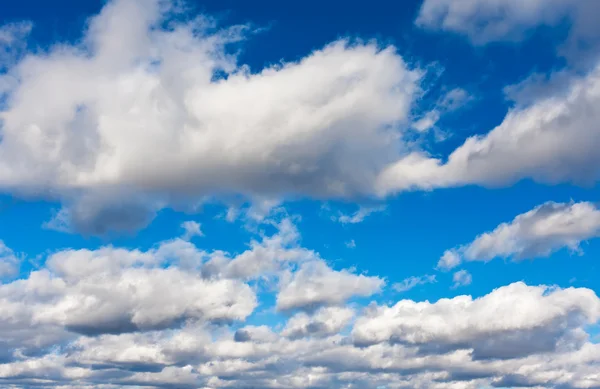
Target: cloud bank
[(179, 316)]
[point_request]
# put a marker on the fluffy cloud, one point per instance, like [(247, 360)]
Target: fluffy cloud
[(143, 120), (113, 318), (461, 278), (326, 321), (315, 284), (552, 140), (484, 21), (536, 233), (12, 45), (115, 290), (488, 325)]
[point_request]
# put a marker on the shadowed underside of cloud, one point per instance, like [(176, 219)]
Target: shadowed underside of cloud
[(176, 316)]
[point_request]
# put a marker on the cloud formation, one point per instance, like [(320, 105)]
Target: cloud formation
[(483, 21), (483, 324), (537, 233), (552, 140), (120, 318), (179, 316), (150, 116), (176, 120)]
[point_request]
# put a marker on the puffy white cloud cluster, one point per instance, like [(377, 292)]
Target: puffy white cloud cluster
[(537, 233), (179, 316)]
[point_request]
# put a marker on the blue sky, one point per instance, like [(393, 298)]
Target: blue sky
[(299, 195)]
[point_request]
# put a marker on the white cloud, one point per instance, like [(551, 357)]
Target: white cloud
[(351, 244), (116, 290), (537, 233), (326, 321), (484, 21), (461, 278), (267, 257), (411, 282), (517, 333), (553, 140), (154, 128), (489, 325), (315, 284), (192, 229)]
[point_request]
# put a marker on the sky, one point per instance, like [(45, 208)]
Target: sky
[(233, 194)]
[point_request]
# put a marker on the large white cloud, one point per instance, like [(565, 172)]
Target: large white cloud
[(490, 325), (135, 118), (536, 233), (115, 128), (315, 284), (115, 290)]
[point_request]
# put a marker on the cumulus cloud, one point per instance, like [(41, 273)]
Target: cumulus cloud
[(271, 255), (315, 284), (176, 119), (537, 233), (484, 21), (115, 317), (115, 290), (487, 325), (326, 321), (552, 140), (144, 120)]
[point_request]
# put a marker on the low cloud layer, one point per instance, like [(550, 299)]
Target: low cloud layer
[(179, 316)]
